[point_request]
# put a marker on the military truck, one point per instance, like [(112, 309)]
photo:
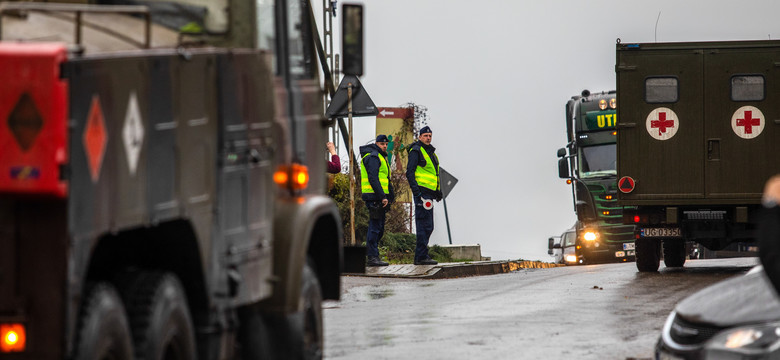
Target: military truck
[(161, 191), (694, 143), (588, 164)]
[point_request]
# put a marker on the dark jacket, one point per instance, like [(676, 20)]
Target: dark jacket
[(416, 159), (769, 244), (334, 165), (372, 164)]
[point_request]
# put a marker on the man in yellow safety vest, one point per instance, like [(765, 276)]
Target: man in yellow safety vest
[(422, 172), (377, 194)]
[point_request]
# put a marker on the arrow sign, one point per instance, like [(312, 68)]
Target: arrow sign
[(447, 182), (385, 113), (362, 105)]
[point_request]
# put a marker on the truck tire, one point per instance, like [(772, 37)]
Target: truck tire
[(103, 327), (299, 335), (674, 252), (159, 317), (647, 255), (253, 334)]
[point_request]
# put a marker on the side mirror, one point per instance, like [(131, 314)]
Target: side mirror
[(563, 168), (352, 39), (550, 242), (561, 152)]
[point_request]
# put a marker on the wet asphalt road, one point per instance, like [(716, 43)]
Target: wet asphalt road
[(581, 312)]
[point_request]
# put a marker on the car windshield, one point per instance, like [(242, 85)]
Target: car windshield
[(597, 161)]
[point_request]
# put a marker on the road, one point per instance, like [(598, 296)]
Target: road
[(605, 311)]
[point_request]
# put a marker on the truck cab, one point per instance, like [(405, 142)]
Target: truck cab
[(588, 162)]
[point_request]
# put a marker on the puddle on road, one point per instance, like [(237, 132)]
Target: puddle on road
[(376, 294)]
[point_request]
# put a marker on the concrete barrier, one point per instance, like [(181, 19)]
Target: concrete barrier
[(465, 252)]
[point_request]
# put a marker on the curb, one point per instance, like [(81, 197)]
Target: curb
[(452, 270)]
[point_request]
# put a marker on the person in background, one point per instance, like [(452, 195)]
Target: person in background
[(422, 172), (377, 194), (334, 165)]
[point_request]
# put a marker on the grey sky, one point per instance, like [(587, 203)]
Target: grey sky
[(495, 76)]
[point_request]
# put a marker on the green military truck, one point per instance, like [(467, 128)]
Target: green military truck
[(697, 138), (588, 162), (161, 191)]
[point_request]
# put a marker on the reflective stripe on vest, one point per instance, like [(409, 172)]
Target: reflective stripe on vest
[(427, 176), (384, 175)]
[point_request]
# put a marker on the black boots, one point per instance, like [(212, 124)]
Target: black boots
[(427, 261), (375, 261)]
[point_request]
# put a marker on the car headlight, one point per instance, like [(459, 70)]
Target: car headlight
[(590, 235), (747, 340)]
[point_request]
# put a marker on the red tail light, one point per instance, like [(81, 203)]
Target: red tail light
[(33, 112)]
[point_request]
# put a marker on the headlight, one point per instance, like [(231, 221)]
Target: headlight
[(603, 104), (747, 340), (571, 258), (613, 103), (590, 235)]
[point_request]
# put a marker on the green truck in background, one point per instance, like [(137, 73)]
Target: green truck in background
[(588, 162), (697, 139)]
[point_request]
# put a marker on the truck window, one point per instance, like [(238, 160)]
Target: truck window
[(661, 90), (599, 160), (747, 88), (569, 239), (266, 35), (298, 30)]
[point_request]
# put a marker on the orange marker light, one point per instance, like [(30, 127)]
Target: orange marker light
[(292, 176), (608, 197), (12, 338), (568, 182)]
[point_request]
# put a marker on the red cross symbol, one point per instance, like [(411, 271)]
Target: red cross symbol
[(748, 122), (661, 124)]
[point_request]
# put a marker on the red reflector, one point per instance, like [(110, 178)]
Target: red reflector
[(636, 218), (33, 125)]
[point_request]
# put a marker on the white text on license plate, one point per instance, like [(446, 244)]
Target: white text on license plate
[(660, 232)]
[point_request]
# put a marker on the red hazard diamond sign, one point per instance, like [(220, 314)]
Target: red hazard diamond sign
[(95, 138), (626, 184)]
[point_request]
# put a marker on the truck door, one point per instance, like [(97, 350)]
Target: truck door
[(740, 108), (663, 123)]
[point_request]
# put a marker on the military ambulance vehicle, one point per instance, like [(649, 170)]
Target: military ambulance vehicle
[(698, 136), (161, 191), (588, 163)]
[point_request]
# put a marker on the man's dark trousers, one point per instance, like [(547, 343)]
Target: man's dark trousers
[(376, 227), (423, 219)]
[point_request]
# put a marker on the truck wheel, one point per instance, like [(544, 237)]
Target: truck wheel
[(253, 334), (311, 296), (103, 328), (647, 255), (159, 317), (674, 252), (299, 335)]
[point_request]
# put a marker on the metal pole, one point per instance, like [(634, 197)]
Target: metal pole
[(447, 218), (351, 169)]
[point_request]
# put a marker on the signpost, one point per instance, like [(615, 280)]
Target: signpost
[(447, 183)]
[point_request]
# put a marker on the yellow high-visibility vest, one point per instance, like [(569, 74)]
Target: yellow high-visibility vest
[(428, 176), (384, 175)]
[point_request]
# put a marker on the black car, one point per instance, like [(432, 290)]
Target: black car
[(738, 318)]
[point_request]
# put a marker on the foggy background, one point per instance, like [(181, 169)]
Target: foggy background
[(495, 76)]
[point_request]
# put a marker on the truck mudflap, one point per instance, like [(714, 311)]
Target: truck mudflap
[(33, 125)]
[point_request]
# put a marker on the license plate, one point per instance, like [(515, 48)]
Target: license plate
[(660, 232), (631, 253), (620, 254), (628, 246)]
